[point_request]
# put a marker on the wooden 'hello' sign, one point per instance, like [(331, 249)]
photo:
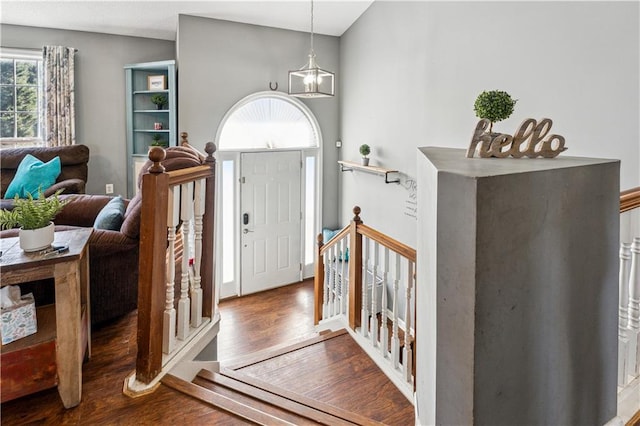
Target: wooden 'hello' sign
[(501, 145)]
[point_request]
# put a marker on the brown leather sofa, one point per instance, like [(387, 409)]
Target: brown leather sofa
[(73, 161), (113, 255)]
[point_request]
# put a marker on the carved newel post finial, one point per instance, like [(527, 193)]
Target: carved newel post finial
[(320, 240), (184, 136), (156, 154), (356, 213), (210, 148)]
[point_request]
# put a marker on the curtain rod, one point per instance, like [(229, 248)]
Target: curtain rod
[(28, 49)]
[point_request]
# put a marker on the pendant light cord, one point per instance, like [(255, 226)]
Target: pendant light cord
[(312, 51)]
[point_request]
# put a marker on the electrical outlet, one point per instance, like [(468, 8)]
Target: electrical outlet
[(108, 188), (338, 144)]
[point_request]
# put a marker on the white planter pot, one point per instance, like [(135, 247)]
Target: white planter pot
[(36, 239)]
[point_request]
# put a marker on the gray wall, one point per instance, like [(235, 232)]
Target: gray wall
[(221, 62), (100, 91), (412, 70)]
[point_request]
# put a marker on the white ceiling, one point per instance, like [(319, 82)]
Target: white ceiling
[(158, 19)]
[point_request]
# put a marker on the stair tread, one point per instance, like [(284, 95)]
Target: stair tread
[(223, 402), (267, 405), (310, 414), (336, 412), (259, 356)]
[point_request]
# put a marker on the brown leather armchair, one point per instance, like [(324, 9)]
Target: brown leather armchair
[(113, 255)]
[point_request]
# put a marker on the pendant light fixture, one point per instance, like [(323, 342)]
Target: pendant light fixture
[(311, 81)]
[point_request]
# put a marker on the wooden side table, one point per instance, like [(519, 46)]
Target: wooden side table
[(70, 271)]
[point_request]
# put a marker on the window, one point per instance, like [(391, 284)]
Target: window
[(267, 121), (21, 98), (228, 216)]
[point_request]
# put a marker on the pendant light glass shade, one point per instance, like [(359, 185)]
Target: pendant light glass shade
[(311, 81)]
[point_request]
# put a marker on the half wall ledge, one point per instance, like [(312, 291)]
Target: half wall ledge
[(517, 303)]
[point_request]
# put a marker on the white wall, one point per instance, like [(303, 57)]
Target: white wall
[(412, 70), (221, 62), (100, 91)]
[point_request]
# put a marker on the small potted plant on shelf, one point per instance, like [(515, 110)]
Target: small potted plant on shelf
[(364, 151), (494, 105), (156, 140), (35, 216), (158, 100)]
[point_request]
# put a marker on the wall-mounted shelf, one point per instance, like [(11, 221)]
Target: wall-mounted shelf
[(349, 166)]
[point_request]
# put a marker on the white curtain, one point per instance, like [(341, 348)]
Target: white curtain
[(59, 95)]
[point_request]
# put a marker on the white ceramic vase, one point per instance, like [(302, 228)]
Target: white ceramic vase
[(36, 239)]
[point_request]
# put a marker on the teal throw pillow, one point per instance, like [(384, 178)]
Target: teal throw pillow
[(32, 174), (111, 215), (328, 234)]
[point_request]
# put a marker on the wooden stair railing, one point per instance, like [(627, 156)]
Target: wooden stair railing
[(630, 199), (383, 325), (193, 212)]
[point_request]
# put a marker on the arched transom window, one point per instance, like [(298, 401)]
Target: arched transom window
[(268, 120)]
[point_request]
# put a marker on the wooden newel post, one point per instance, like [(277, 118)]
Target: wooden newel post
[(151, 283), (355, 270), (318, 282), (208, 267)]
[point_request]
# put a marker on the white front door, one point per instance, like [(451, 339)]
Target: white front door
[(270, 221)]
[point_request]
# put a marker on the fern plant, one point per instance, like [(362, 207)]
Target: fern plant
[(32, 213)]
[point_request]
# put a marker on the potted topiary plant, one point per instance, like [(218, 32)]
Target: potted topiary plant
[(494, 105), (35, 216), (364, 151), (158, 100)]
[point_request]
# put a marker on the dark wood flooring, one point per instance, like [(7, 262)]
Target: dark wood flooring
[(248, 324)]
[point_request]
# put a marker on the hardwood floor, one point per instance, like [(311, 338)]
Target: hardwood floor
[(248, 324)]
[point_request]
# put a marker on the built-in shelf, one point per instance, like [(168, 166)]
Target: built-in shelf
[(143, 116), (139, 92), (349, 166)]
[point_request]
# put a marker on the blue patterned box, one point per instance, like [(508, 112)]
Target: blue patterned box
[(19, 321)]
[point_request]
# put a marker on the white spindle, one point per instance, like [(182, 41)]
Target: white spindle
[(196, 289), (384, 329), (327, 286), (623, 317), (634, 308), (337, 284), (407, 353), (623, 308), (364, 316), (332, 282), (373, 326), (186, 213), (169, 317), (395, 339), (343, 284)]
